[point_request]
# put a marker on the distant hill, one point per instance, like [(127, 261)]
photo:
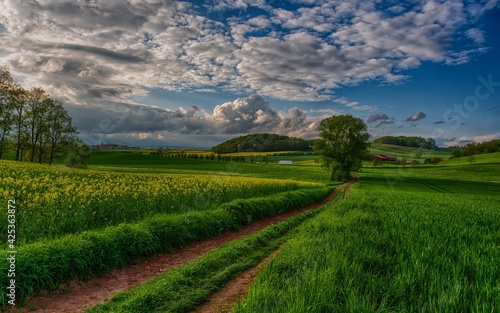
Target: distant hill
[(404, 141), (261, 143)]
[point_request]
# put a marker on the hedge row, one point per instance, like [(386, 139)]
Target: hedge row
[(46, 265)]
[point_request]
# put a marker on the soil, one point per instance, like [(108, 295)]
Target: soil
[(225, 299), (79, 296)]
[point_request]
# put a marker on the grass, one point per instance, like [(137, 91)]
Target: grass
[(47, 264), (389, 251), (490, 158), (145, 163), (418, 238), (184, 288), (408, 152)]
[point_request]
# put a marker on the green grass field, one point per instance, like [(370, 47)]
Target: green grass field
[(408, 152), (422, 244), (136, 162)]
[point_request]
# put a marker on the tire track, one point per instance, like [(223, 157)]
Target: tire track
[(225, 299)]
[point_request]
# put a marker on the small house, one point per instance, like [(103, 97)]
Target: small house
[(285, 162)]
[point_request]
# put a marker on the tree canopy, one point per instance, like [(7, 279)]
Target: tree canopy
[(342, 145), (261, 143), (405, 141), (33, 126), (477, 148)]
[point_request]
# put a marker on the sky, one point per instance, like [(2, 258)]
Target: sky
[(195, 73)]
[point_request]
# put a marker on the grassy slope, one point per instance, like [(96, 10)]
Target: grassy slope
[(407, 152), (401, 243)]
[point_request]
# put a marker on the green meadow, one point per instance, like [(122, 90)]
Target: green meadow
[(409, 240)]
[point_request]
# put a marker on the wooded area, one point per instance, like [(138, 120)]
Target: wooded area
[(33, 126)]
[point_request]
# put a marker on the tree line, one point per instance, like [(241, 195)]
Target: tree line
[(261, 143), (473, 148), (405, 141), (35, 127)]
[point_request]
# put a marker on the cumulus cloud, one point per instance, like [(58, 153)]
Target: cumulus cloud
[(377, 117), (241, 116), (416, 116)]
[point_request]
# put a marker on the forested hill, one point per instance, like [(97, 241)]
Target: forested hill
[(261, 143), (413, 141)]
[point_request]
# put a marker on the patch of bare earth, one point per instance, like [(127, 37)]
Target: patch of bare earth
[(79, 296), (225, 299)]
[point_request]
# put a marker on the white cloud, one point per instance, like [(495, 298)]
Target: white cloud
[(241, 116), (476, 34), (418, 115), (113, 50), (463, 140)]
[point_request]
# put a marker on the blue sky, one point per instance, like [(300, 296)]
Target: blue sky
[(195, 73)]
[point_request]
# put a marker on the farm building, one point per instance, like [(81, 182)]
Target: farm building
[(285, 162), (383, 157)]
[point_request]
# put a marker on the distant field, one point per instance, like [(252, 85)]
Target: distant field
[(478, 159), (140, 163), (408, 152)]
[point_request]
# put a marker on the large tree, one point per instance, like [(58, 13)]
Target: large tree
[(342, 145)]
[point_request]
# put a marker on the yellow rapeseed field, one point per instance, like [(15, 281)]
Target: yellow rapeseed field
[(53, 200)]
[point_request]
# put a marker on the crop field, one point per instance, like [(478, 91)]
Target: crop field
[(407, 152), (64, 201), (415, 246)]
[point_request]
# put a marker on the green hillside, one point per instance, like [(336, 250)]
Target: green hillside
[(486, 158), (408, 152), (261, 143)]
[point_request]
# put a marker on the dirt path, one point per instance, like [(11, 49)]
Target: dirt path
[(79, 296), (225, 299), (355, 179)]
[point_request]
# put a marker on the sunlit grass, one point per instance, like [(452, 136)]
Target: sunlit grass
[(388, 251)]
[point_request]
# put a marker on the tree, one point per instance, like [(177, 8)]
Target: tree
[(78, 153), (471, 158), (403, 162), (342, 145), (7, 86), (418, 154), (21, 133), (60, 131), (37, 104)]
